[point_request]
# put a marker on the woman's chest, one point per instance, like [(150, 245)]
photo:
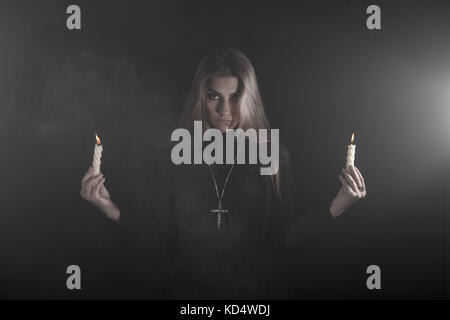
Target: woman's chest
[(245, 206)]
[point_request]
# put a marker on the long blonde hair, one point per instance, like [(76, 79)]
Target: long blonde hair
[(223, 63)]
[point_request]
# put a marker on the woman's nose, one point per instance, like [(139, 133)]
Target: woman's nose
[(224, 108)]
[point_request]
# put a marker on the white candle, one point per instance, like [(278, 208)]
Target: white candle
[(351, 152), (98, 149)]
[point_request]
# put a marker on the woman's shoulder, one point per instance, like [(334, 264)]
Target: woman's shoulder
[(285, 156)]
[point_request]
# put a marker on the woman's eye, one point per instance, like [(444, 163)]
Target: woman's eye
[(212, 96)]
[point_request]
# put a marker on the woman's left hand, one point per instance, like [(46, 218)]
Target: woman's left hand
[(353, 188)]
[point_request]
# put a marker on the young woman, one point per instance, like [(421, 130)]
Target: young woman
[(182, 215)]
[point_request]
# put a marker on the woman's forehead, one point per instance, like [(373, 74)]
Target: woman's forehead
[(223, 85)]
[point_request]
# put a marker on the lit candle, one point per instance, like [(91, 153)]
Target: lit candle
[(98, 149), (351, 152)]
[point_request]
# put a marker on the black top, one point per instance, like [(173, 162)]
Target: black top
[(174, 228)]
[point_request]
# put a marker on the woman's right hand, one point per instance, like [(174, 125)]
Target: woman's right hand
[(93, 190)]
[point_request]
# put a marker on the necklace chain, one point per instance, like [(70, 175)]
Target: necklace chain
[(226, 180), (219, 197)]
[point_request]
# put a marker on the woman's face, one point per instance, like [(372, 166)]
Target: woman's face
[(221, 102)]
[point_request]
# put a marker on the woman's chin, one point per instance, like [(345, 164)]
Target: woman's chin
[(223, 126)]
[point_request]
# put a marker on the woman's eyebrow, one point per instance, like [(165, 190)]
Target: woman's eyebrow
[(219, 94), (214, 91)]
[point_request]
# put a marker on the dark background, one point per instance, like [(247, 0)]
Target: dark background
[(323, 75)]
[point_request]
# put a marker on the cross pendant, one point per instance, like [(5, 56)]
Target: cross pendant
[(220, 215)]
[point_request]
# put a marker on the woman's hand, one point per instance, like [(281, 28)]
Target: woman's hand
[(93, 190), (353, 188)]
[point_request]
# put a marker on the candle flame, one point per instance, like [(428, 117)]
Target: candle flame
[(98, 139), (353, 138)]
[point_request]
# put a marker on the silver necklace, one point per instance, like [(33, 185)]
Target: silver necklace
[(220, 211)]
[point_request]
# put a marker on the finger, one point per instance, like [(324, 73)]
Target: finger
[(87, 175), (93, 178), (362, 178), (91, 182), (350, 180), (94, 184), (96, 188), (345, 183), (355, 176), (103, 191)]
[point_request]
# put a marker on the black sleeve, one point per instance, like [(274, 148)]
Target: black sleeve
[(147, 210), (147, 225), (295, 222), (282, 204)]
